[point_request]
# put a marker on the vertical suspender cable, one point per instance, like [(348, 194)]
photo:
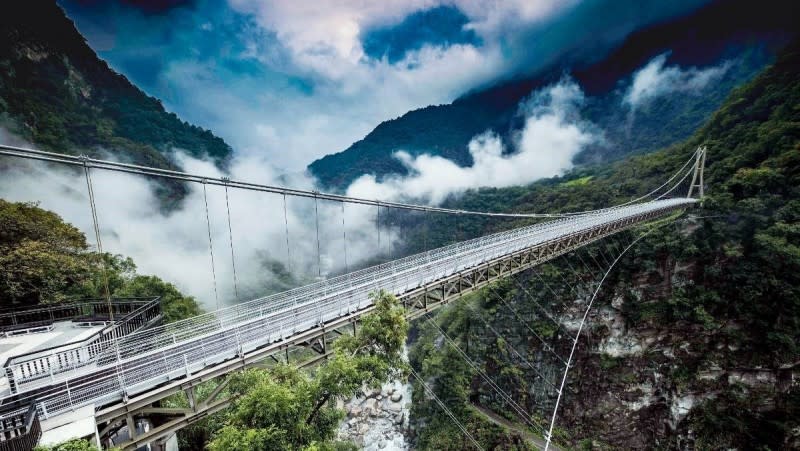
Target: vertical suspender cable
[(230, 239), (90, 191), (319, 255), (425, 231), (344, 240), (378, 227), (210, 246), (286, 223)]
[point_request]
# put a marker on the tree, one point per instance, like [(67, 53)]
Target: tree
[(174, 305), (76, 444), (44, 260), (285, 408), (41, 256)]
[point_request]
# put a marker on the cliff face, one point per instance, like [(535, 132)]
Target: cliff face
[(56, 93), (692, 342)]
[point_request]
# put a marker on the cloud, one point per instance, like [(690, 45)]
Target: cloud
[(551, 136), (293, 80), (656, 79), (174, 244)]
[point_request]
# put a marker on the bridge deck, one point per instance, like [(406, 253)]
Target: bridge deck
[(144, 361)]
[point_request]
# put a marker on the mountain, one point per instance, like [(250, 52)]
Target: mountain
[(56, 93), (692, 342), (740, 34)]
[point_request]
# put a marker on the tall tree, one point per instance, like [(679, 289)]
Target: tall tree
[(285, 408)]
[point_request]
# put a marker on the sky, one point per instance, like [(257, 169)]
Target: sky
[(296, 80), (287, 82)]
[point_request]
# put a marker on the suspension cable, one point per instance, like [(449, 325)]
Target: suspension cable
[(210, 246), (446, 409), (344, 240), (319, 255), (549, 435), (95, 222), (541, 307), (54, 157), (513, 349), (286, 223), (230, 239), (547, 346), (378, 228), (520, 411), (426, 220)]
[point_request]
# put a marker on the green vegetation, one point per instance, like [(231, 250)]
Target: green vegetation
[(454, 382), (70, 445), (723, 285), (44, 260), (63, 98), (285, 408), (580, 181), (446, 130)]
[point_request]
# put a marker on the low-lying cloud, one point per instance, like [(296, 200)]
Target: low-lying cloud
[(174, 244), (656, 79), (552, 135)]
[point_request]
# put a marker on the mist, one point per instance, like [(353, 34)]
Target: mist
[(656, 79), (174, 244), (553, 133)]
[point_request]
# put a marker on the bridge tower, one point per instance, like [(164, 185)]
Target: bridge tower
[(697, 177)]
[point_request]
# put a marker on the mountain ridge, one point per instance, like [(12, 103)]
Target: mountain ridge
[(752, 33), (57, 93)]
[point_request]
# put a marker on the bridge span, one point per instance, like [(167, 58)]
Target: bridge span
[(134, 372)]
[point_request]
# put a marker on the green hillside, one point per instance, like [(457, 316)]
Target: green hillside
[(56, 93), (713, 301), (747, 38)]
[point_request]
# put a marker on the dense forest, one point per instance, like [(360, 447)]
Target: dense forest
[(709, 306), (46, 260), (56, 93), (742, 33)]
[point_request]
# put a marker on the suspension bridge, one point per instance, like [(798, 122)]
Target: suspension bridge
[(121, 376)]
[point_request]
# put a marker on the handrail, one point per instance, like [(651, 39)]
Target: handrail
[(48, 362), (152, 363), (21, 431), (90, 338), (20, 318)]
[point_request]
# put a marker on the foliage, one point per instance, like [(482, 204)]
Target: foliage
[(286, 409), (446, 130), (41, 256), (44, 259), (174, 305), (76, 444), (66, 99), (727, 277)]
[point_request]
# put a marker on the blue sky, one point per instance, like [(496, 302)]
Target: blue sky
[(295, 80)]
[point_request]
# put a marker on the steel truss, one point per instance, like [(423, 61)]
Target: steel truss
[(416, 301)]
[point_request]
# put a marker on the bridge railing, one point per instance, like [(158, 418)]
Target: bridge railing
[(171, 358), (210, 323), (20, 431), (48, 363), (94, 310)]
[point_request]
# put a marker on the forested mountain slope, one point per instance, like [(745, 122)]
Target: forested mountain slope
[(693, 341), (744, 35), (56, 93)]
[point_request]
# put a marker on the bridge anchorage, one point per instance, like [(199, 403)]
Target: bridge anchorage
[(113, 391)]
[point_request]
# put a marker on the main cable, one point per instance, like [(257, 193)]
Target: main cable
[(53, 157)]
